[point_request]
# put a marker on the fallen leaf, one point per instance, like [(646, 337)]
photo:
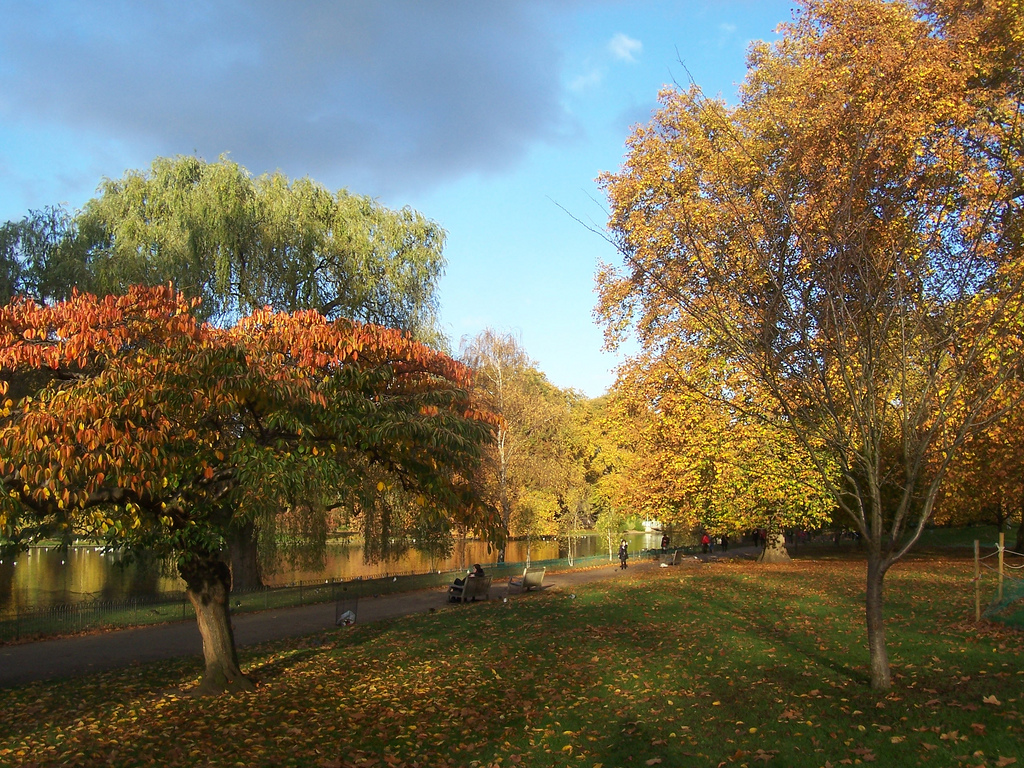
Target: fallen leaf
[(1005, 761), (653, 761), (991, 700)]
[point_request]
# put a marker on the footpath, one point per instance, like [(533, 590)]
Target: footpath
[(84, 654)]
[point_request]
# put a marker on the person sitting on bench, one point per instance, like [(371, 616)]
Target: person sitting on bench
[(456, 589)]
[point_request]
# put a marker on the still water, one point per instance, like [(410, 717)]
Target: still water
[(42, 577)]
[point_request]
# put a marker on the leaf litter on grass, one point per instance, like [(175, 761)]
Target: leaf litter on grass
[(724, 665)]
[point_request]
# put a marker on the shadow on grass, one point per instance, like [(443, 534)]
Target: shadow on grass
[(794, 638)]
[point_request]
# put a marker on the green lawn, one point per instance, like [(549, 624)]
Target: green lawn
[(732, 663)]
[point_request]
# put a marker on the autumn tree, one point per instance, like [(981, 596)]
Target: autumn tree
[(239, 243), (528, 468), (706, 452), (986, 478), (848, 236), (144, 428)]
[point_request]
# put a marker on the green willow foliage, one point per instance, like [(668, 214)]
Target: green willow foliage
[(239, 243)]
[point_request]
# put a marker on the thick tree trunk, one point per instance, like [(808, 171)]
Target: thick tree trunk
[(881, 679), (246, 573), (208, 582), (774, 549)]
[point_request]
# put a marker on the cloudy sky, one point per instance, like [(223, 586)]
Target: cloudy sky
[(492, 118)]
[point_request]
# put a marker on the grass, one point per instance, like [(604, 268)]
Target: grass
[(728, 664), (965, 536)]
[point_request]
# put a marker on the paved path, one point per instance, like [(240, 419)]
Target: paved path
[(82, 654)]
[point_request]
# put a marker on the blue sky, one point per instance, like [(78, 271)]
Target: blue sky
[(493, 119)]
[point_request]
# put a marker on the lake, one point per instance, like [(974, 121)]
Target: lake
[(45, 576)]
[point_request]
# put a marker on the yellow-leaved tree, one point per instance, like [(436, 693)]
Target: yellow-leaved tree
[(848, 236), (708, 452)]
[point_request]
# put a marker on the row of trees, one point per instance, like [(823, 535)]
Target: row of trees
[(548, 468), (188, 419)]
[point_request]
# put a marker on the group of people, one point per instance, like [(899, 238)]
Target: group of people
[(707, 544)]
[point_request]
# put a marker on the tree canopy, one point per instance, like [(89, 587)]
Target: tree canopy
[(130, 422), (237, 242), (848, 236), (707, 451), (528, 469)]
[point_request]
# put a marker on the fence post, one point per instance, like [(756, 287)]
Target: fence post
[(1002, 547), (977, 581)]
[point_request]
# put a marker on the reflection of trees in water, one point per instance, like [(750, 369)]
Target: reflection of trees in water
[(40, 580), (137, 574), (6, 583)]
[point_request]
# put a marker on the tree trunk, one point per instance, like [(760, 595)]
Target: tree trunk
[(774, 549), (1019, 546), (460, 547), (881, 678), (208, 583), (246, 573)]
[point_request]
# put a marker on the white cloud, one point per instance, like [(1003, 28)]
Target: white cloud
[(624, 47), (727, 28), (586, 81)]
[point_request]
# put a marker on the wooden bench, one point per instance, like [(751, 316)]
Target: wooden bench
[(531, 578), (678, 558), (471, 589), (672, 558)]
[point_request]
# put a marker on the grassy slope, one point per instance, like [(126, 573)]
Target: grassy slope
[(746, 664)]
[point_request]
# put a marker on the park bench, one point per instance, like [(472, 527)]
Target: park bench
[(678, 558), (530, 579), (672, 558), (471, 589)]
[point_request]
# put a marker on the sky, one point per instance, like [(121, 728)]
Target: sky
[(493, 119)]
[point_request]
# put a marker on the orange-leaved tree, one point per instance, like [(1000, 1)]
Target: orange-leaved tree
[(128, 421), (849, 236)]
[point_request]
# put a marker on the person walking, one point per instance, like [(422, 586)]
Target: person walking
[(623, 555)]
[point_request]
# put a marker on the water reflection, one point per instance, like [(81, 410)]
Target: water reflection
[(45, 576)]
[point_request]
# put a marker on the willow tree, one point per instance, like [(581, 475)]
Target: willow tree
[(129, 422), (849, 236)]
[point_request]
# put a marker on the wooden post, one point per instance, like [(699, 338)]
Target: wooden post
[(1002, 547), (977, 582)]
